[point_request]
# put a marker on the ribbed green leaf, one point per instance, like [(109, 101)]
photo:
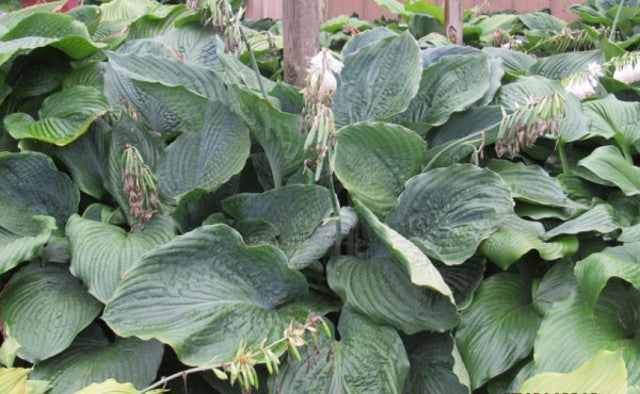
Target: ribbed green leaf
[(63, 117), (93, 359), (498, 328), (322, 239), (602, 218), (562, 65), (296, 211), (593, 272), (450, 219), (450, 85), (30, 185), (554, 286), (374, 85), (110, 386), (418, 266), (369, 358), (612, 118), (15, 381), (530, 183), (366, 38), (56, 300), (207, 159), (277, 132), (205, 293), (13, 18), (382, 290), (516, 237), (608, 163), (374, 160), (569, 335), (512, 60), (16, 248), (86, 159), (436, 366), (604, 373), (58, 30), (102, 253)]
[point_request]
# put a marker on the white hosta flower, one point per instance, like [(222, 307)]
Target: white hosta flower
[(584, 84), (321, 81), (627, 67)]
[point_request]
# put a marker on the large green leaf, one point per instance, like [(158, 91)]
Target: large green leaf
[(374, 160), (555, 285), (511, 60), (375, 86), (608, 163), (418, 266), (58, 30), (296, 210), (110, 386), (603, 218), (50, 296), (498, 328), (277, 132), (516, 237), (382, 290), (322, 239), (207, 159), (30, 185), (16, 381), (563, 65), (450, 219), (449, 85), (613, 118), (570, 335), (101, 253), (436, 366), (530, 183), (16, 248), (369, 358), (93, 359), (604, 373), (86, 159), (64, 116), (205, 293), (593, 273)]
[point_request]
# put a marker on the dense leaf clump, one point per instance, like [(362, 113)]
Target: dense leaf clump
[(474, 227)]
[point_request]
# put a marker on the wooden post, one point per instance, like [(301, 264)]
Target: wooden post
[(453, 20), (301, 24)]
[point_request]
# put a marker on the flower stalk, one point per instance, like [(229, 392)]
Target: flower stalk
[(535, 119), (139, 186)]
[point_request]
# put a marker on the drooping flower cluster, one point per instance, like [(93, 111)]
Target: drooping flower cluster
[(583, 84), (221, 17), (627, 67), (529, 122), (320, 85), (139, 186)]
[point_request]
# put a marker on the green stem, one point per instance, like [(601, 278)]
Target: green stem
[(626, 152), (176, 375), (254, 63), (336, 212), (615, 20), (563, 158)]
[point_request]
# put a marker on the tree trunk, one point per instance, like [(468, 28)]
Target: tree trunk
[(301, 23), (453, 20)]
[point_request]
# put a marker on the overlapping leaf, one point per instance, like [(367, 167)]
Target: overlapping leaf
[(16, 248), (450, 219), (64, 116), (205, 293), (369, 358), (374, 85), (51, 296), (101, 253), (93, 359), (374, 160)]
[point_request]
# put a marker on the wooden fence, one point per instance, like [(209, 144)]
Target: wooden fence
[(370, 10)]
